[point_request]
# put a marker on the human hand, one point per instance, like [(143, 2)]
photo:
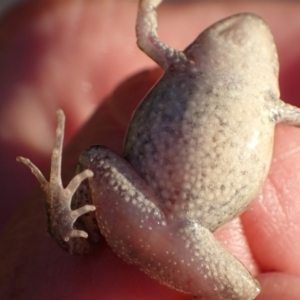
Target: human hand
[(71, 55)]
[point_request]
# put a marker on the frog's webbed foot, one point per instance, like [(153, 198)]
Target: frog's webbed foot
[(61, 217)]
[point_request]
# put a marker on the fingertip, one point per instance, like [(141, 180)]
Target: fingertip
[(278, 286)]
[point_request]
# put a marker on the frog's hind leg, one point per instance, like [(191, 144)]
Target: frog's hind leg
[(180, 254)]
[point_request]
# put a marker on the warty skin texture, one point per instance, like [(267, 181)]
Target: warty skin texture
[(199, 148)]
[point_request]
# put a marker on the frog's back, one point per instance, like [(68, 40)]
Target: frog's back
[(202, 138)]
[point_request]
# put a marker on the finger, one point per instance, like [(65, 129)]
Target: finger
[(277, 286), (272, 221)]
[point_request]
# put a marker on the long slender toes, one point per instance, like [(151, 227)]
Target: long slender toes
[(35, 171), (61, 217), (82, 210), (76, 181), (55, 173), (77, 233)]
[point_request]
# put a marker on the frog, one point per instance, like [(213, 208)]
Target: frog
[(196, 153)]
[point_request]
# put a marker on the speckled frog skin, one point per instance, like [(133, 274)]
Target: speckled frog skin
[(197, 151)]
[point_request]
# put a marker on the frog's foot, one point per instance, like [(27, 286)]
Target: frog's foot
[(61, 217)]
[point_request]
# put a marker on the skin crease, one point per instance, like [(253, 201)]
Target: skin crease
[(35, 84)]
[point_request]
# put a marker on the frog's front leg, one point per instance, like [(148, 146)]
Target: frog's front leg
[(61, 217), (147, 38)]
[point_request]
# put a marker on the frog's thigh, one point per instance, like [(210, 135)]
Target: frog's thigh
[(181, 254)]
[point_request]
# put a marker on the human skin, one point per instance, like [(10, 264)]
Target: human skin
[(46, 53)]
